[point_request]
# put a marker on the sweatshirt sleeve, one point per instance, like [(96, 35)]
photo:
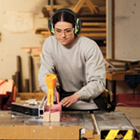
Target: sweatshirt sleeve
[(94, 71), (47, 65)]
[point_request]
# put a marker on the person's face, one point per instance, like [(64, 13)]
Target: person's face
[(64, 32)]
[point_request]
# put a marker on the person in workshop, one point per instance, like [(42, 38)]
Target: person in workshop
[(76, 60)]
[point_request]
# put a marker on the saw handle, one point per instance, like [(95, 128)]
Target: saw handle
[(50, 81)]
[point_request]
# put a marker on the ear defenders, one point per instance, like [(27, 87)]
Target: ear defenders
[(77, 21)]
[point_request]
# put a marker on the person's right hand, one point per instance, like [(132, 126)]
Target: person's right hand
[(56, 94)]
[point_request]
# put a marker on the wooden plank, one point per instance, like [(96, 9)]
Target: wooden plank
[(54, 115), (92, 7), (90, 18), (88, 34), (37, 55), (51, 10), (78, 6), (93, 34), (47, 34), (113, 28), (40, 50), (31, 95), (9, 87), (15, 90), (6, 88), (116, 77), (120, 60), (94, 24), (1, 82), (31, 47), (56, 7), (40, 132), (31, 74), (19, 74), (93, 29), (39, 30), (3, 88), (44, 31)]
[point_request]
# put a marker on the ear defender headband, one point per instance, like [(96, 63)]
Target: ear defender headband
[(77, 23)]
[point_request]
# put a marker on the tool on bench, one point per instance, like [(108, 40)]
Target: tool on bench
[(50, 81), (32, 107), (132, 65), (110, 104)]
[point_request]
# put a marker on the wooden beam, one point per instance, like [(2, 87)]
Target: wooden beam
[(113, 28), (37, 55), (94, 24), (10, 85), (94, 29), (93, 34), (120, 60), (89, 18), (56, 7), (51, 10), (1, 82), (6, 87), (92, 7), (31, 95), (3, 88), (31, 47), (78, 6)]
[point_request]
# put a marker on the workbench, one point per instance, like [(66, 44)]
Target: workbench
[(73, 126), (115, 76)]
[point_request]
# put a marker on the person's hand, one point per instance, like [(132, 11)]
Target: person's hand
[(68, 101), (56, 94)]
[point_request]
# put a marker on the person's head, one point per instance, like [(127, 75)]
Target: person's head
[(65, 25)]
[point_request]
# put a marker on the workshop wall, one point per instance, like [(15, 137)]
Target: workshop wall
[(127, 34), (18, 20), (127, 29)]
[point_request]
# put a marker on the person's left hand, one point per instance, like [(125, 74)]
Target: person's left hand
[(68, 101)]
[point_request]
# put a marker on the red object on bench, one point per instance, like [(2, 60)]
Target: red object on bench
[(8, 93)]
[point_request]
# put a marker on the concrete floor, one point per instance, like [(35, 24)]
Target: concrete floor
[(133, 113)]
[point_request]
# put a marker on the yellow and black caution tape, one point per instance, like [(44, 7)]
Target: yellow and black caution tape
[(117, 134)]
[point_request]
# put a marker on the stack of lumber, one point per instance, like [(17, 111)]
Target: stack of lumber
[(122, 65), (93, 24), (92, 16), (31, 95), (8, 92), (116, 69)]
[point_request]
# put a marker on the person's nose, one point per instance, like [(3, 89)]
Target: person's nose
[(63, 34)]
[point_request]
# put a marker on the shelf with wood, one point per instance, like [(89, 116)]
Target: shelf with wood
[(92, 16)]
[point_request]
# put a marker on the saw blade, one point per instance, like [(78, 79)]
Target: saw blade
[(50, 113)]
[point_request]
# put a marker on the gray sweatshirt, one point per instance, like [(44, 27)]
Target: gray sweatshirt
[(79, 66)]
